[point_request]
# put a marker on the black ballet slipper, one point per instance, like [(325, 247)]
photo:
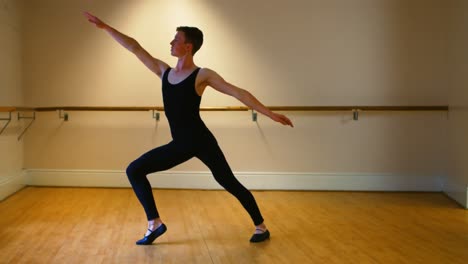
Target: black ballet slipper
[(148, 240), (260, 237)]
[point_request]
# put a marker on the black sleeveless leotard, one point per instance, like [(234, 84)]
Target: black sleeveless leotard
[(182, 108)]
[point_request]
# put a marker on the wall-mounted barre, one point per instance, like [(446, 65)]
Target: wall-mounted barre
[(354, 109), (244, 108), (156, 109)]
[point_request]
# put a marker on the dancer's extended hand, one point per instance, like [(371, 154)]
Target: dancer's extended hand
[(282, 119), (94, 20)]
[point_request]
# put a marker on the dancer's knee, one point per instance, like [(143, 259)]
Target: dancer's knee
[(133, 170)]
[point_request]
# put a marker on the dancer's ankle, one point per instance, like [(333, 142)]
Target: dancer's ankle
[(261, 228), (154, 223)]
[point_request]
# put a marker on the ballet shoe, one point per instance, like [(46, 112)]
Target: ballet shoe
[(148, 240), (260, 237)]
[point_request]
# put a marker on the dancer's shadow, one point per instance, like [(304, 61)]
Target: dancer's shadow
[(264, 140), (177, 242)]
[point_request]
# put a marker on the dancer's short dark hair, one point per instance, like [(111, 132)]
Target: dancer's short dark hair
[(193, 36)]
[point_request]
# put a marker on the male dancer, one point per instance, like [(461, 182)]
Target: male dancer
[(182, 88)]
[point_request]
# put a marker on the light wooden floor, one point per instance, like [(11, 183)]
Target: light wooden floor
[(80, 225)]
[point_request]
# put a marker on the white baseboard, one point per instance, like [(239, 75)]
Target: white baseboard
[(252, 180), (10, 185), (457, 192)]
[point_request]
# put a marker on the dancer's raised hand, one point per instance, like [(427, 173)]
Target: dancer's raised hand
[(94, 20)]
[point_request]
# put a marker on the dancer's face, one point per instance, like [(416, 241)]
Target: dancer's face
[(178, 46)]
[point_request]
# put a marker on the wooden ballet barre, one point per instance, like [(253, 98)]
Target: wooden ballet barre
[(7, 109), (99, 108), (355, 110), (131, 108), (10, 109), (63, 115), (244, 108), (361, 108), (25, 109)]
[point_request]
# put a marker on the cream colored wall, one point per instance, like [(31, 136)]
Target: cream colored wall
[(457, 182), (362, 52), (298, 52), (10, 56), (11, 150)]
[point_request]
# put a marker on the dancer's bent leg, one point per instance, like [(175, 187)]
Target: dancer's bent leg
[(158, 159)]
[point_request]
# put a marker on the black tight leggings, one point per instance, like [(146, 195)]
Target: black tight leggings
[(174, 153)]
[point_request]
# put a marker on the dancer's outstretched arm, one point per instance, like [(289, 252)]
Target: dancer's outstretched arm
[(214, 80), (155, 65)]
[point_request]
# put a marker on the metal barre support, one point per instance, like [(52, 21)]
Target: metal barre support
[(63, 115), (30, 123), (254, 116), (8, 122), (356, 114), (156, 115)]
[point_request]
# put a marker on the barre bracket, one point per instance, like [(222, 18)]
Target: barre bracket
[(8, 122), (63, 115), (356, 114), (30, 123), (156, 115), (254, 116)]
